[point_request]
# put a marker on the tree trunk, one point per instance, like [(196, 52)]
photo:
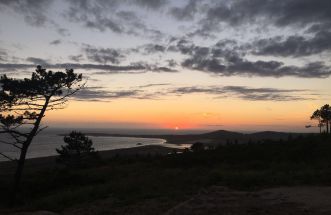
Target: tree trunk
[(327, 127), (18, 175), (24, 150)]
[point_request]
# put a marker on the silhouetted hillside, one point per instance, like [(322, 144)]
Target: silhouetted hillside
[(221, 134), (272, 135), (215, 137)]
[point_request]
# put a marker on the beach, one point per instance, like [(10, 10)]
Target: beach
[(46, 143)]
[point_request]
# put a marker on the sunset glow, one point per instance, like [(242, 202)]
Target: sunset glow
[(188, 70), (165, 107)]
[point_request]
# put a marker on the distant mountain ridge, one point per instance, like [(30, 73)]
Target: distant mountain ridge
[(214, 137)]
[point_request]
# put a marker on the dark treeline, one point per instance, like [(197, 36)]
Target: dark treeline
[(300, 160), (302, 148)]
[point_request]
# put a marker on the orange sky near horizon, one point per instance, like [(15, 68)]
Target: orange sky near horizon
[(226, 64), (191, 112)]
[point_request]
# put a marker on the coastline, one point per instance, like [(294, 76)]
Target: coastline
[(36, 164), (211, 138)]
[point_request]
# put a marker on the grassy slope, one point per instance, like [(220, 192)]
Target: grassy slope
[(167, 180)]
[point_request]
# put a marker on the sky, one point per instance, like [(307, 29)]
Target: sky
[(244, 65)]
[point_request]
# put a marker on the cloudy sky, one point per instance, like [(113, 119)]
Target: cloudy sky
[(192, 64)]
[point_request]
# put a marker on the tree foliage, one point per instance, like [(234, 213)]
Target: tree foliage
[(198, 146), (24, 102), (323, 116), (78, 150)]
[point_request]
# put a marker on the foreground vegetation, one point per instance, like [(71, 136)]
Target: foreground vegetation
[(132, 181)]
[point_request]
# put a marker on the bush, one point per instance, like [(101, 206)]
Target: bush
[(197, 147), (78, 152)]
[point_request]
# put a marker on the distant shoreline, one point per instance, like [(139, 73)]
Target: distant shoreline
[(211, 138), (215, 137), (50, 161)]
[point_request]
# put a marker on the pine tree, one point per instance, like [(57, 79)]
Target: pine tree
[(23, 105), (78, 150)]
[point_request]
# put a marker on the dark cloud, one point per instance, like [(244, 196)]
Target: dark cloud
[(162, 69), (273, 12), (240, 92), (308, 21), (310, 70), (55, 42), (153, 85), (134, 68), (37, 61), (153, 67), (100, 94), (295, 46), (9, 67), (271, 94), (242, 67), (107, 15), (153, 48), (182, 45), (103, 55), (98, 22), (147, 49), (106, 68), (90, 14), (245, 93), (187, 12), (96, 14), (172, 63), (34, 12), (225, 58), (76, 58), (3, 55), (259, 15), (152, 4), (63, 31)]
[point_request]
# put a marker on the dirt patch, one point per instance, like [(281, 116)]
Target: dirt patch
[(221, 201), (280, 201), (108, 206), (312, 198)]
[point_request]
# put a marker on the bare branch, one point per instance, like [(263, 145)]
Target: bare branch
[(68, 94), (9, 158), (13, 132), (40, 130), (9, 143)]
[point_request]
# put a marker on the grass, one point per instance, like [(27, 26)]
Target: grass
[(128, 181)]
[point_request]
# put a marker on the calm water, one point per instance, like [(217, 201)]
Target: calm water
[(46, 143)]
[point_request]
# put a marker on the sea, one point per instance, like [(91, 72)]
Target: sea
[(46, 142)]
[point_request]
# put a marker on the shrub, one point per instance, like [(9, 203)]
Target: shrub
[(197, 147), (78, 150)]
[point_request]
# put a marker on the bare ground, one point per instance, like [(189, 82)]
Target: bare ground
[(224, 201), (221, 201), (277, 201)]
